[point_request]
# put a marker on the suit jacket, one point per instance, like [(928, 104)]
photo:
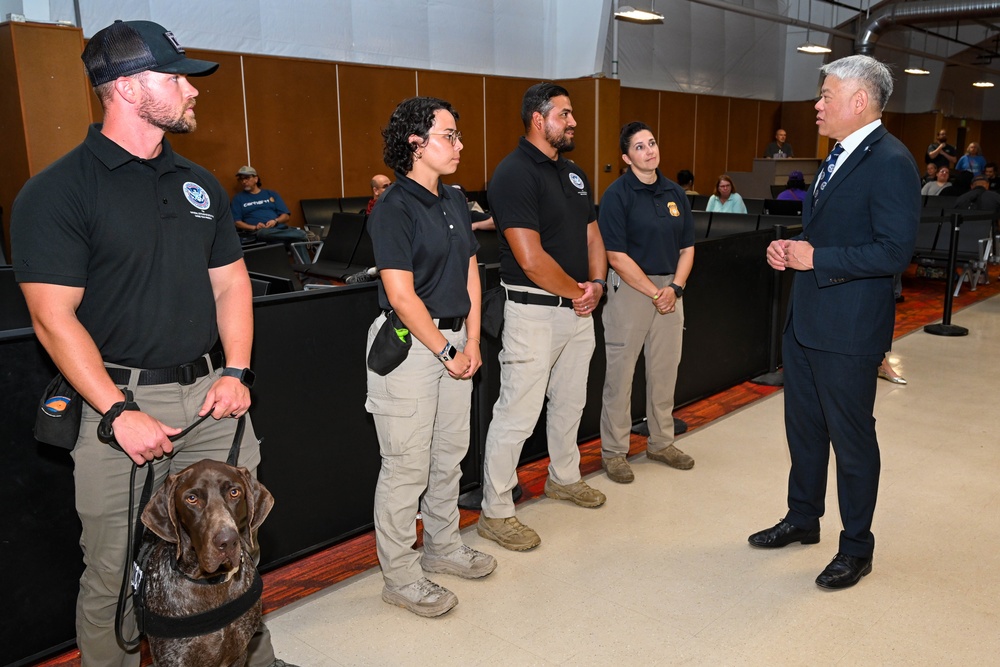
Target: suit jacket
[(863, 230)]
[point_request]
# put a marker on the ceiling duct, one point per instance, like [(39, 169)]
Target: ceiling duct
[(889, 16)]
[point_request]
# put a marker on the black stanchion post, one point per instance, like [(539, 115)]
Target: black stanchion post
[(946, 328), (773, 377)]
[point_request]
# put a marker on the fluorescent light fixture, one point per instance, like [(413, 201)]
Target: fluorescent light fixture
[(816, 49), (629, 13), (983, 84), (916, 71)]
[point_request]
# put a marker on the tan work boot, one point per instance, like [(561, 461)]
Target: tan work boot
[(578, 492), (673, 457), (618, 469), (423, 597), (508, 533), (464, 562)]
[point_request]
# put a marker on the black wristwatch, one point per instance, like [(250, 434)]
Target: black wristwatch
[(678, 290), (602, 283), (244, 375), (447, 354)]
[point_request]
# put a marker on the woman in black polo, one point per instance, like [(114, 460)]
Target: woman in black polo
[(648, 232), (425, 252)]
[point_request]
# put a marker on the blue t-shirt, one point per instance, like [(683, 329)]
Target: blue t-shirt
[(254, 209), (974, 163)]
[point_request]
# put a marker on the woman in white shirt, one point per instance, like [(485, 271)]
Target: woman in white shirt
[(725, 199)]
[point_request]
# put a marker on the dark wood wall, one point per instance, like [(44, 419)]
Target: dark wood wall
[(313, 128)]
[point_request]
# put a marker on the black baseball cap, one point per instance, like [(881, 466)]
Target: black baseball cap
[(125, 48)]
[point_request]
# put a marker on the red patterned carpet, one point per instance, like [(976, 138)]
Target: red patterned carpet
[(923, 304)]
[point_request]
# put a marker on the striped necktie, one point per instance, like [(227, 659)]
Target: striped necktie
[(828, 166)]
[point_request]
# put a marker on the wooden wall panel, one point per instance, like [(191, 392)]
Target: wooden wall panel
[(678, 136), (991, 140), (917, 131), (503, 117), (465, 93), (608, 154), (293, 129), (582, 95), (642, 105), (712, 121), (44, 111), (768, 122), (799, 120), (744, 122), (368, 96)]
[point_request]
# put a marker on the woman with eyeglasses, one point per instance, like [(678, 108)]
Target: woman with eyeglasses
[(426, 255), (648, 232), (725, 199)]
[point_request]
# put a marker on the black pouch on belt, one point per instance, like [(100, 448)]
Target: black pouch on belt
[(391, 345), (57, 421)]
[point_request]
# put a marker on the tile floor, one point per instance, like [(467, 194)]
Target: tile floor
[(662, 574)]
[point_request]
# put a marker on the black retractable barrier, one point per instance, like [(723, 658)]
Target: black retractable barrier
[(945, 327), (781, 282)]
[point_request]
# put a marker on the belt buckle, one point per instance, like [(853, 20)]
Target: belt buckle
[(187, 374)]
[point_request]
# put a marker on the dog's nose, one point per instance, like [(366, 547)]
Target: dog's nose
[(226, 538)]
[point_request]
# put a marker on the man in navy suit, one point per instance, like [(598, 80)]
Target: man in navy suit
[(859, 226)]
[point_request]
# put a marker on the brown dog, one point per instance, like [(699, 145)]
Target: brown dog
[(206, 517)]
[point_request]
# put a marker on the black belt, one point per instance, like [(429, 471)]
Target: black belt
[(449, 323), (530, 298), (183, 374)]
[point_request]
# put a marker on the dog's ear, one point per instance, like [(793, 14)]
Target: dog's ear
[(160, 515), (259, 504)]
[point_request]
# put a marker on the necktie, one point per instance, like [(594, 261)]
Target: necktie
[(824, 175)]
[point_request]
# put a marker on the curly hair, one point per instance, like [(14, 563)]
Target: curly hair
[(539, 98), (412, 116)]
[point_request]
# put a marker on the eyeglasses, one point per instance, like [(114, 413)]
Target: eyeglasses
[(244, 177), (453, 137)]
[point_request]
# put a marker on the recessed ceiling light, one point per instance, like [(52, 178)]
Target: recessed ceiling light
[(816, 49), (628, 13), (983, 84), (917, 71)]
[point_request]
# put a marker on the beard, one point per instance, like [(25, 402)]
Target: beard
[(561, 142), (160, 115)]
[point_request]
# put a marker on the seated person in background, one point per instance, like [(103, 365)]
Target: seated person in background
[(931, 174), (940, 183), (973, 160), (961, 182), (795, 189), (480, 219), (379, 183), (990, 171), (725, 199), (685, 179), (779, 148), (262, 212), (979, 198)]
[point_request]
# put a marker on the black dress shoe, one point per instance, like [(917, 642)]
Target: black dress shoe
[(782, 535), (844, 571)]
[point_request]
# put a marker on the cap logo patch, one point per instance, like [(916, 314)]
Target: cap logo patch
[(173, 42), (576, 181), (197, 196)]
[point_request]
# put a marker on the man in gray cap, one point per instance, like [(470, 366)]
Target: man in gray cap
[(132, 270)]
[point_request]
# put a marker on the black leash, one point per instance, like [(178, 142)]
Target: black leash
[(105, 431)]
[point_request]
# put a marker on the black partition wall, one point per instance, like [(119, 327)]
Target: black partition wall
[(320, 452)]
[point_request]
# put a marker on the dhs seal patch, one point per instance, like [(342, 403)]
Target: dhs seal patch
[(197, 196), (576, 181)]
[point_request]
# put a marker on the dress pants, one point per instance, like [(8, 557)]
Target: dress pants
[(101, 475), (422, 418), (546, 354), (830, 398), (632, 325)]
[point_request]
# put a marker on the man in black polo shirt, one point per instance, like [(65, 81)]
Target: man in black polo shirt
[(132, 270), (552, 261)]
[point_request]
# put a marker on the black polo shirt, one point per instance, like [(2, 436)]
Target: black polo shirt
[(650, 223), (139, 236), (552, 197), (429, 236)]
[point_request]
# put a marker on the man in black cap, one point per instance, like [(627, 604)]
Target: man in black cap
[(132, 270)]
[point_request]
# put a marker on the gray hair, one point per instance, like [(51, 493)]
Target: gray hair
[(874, 76)]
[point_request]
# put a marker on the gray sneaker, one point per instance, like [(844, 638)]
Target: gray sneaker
[(618, 469), (673, 457), (580, 493), (464, 562), (423, 597), (508, 533)]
